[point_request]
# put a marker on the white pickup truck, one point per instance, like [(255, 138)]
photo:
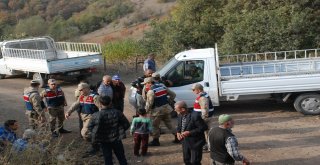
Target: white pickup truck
[(285, 75), (42, 58)]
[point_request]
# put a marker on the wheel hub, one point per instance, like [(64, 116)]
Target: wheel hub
[(311, 104)]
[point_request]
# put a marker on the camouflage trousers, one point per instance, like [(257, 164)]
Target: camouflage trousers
[(34, 119), (56, 113), (85, 133), (161, 114)]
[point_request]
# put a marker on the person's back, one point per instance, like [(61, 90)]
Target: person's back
[(141, 125), (110, 122), (108, 127)]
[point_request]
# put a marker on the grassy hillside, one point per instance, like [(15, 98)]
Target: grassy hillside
[(69, 19), (134, 24)]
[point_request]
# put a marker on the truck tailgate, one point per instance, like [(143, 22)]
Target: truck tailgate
[(76, 63)]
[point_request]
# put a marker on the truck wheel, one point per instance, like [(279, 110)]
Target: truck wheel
[(39, 77), (2, 76), (308, 104)]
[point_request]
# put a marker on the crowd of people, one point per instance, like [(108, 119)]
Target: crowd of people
[(103, 124)]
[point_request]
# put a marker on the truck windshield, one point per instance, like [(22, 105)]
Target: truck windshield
[(167, 66)]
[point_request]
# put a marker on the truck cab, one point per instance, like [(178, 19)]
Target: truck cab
[(189, 67)]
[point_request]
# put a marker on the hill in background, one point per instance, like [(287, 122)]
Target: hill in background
[(134, 24), (69, 19)]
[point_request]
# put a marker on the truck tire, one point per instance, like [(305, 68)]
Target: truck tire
[(2, 76), (308, 104)]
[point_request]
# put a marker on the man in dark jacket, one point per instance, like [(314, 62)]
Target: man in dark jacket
[(119, 91), (108, 127), (190, 131)]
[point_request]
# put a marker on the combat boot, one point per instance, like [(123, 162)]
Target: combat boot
[(154, 142), (62, 130), (54, 134)]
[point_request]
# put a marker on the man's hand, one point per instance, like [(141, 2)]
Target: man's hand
[(66, 115), (179, 136), (245, 161), (185, 134), (42, 118)]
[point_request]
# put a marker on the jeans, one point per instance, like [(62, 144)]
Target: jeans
[(117, 148), (140, 141)]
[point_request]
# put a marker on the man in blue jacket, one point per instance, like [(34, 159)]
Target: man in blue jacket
[(7, 133), (149, 63)]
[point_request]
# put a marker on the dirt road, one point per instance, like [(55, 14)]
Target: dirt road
[(268, 132)]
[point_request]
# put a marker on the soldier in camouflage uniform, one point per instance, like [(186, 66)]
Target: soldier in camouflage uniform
[(87, 104), (55, 100), (34, 108), (157, 105)]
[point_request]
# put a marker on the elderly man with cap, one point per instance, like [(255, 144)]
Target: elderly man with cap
[(190, 131), (203, 107), (88, 104), (119, 91), (224, 144), (157, 105), (34, 104), (55, 100)]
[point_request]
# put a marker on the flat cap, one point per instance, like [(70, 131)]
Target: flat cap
[(34, 82), (224, 118)]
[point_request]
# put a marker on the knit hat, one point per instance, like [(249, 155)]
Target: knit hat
[(116, 77), (28, 134), (224, 118)]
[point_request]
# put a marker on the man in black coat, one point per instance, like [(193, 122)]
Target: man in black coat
[(190, 131), (108, 128)]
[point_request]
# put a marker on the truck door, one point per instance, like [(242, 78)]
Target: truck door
[(183, 75)]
